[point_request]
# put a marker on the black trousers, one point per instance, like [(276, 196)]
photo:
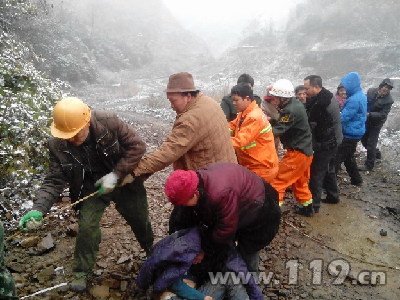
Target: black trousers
[(345, 154), (323, 175), (369, 141)]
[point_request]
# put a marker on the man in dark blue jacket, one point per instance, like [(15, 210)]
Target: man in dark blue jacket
[(354, 114), (379, 104)]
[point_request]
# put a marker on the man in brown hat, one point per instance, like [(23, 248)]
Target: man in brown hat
[(199, 136)]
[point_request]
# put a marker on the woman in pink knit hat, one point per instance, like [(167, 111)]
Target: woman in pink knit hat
[(231, 204)]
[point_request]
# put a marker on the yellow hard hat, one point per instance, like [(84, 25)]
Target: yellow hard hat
[(70, 115)]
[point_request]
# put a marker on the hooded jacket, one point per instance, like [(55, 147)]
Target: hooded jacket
[(117, 148), (354, 112), (378, 107)]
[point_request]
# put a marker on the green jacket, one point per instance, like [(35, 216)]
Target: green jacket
[(292, 127), (228, 108), (7, 287)]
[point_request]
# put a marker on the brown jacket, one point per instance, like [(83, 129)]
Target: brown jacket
[(118, 148), (199, 137)]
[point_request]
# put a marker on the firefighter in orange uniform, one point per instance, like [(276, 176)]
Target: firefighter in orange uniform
[(295, 134), (252, 136)]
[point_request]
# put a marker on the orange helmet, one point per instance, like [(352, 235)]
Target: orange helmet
[(70, 115)]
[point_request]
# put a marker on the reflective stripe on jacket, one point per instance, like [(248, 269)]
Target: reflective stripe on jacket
[(253, 140)]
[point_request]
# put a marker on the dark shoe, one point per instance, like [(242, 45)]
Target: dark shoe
[(316, 209), (306, 211), (356, 183), (79, 283), (330, 201)]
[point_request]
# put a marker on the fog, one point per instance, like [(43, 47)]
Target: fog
[(108, 42), (221, 24)]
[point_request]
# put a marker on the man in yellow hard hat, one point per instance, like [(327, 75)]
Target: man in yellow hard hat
[(92, 150)]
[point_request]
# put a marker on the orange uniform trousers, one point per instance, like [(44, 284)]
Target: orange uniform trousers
[(294, 170), (267, 174)]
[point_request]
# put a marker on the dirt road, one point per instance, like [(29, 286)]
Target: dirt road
[(299, 263)]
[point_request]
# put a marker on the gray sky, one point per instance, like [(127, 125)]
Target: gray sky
[(221, 22)]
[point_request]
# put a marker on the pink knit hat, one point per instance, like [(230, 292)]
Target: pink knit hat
[(180, 186)]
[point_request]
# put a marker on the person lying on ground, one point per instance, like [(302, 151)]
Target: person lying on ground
[(178, 260)]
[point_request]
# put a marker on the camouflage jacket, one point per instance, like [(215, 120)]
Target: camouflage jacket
[(7, 287)]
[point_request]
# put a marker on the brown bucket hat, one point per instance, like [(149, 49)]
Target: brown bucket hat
[(180, 82)]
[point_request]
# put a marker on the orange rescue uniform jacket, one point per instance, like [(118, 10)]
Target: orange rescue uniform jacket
[(253, 141)]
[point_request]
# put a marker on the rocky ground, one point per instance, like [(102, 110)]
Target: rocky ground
[(347, 251)]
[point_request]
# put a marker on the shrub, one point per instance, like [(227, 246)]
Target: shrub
[(26, 100)]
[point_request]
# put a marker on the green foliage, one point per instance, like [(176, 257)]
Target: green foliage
[(11, 11), (26, 100)]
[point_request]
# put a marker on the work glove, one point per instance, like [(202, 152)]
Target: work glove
[(107, 183), (31, 220)]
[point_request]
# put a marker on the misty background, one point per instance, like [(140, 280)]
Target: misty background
[(119, 54), (86, 42)]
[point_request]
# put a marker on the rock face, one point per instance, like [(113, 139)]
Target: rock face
[(101, 38), (371, 62), (321, 38)]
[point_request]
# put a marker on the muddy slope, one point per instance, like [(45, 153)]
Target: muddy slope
[(363, 228)]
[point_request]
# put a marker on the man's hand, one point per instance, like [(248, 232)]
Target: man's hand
[(199, 258), (107, 183), (31, 220)]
